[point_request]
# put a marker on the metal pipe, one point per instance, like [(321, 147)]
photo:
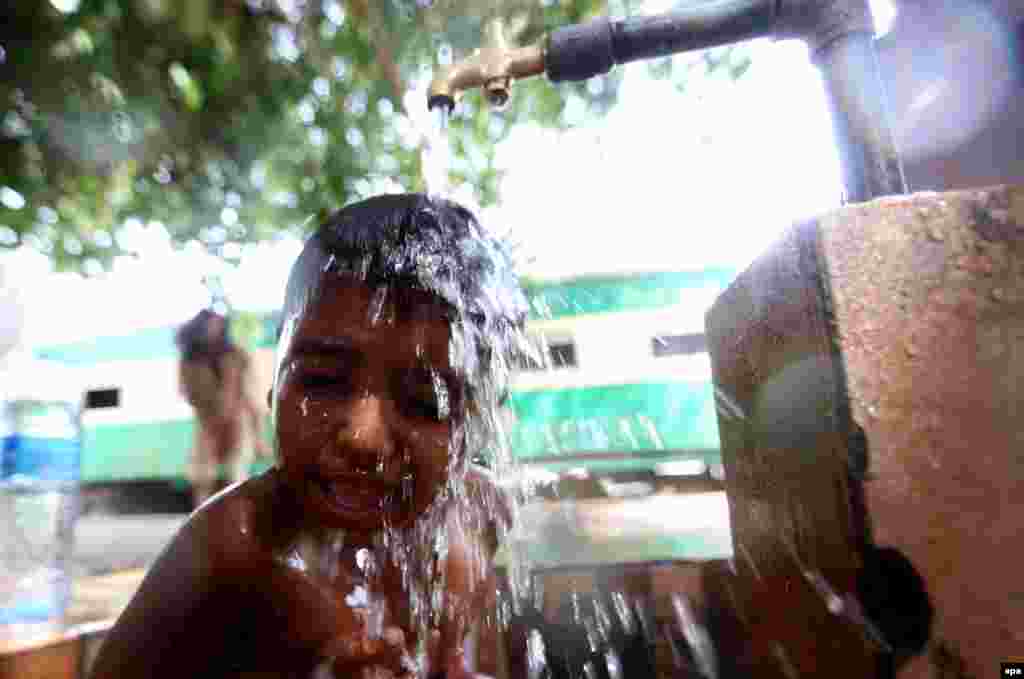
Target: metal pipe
[(838, 32), (698, 27), (584, 50), (840, 35), (868, 157), (581, 51)]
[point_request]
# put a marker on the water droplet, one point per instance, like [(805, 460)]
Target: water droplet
[(362, 558), (11, 199), (536, 658), (614, 665)]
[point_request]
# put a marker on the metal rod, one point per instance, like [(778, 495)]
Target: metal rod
[(868, 155), (838, 32), (699, 26), (581, 51)]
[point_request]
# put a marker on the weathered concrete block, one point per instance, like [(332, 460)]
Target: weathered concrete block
[(869, 371)]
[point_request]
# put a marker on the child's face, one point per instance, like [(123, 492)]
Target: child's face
[(365, 409)]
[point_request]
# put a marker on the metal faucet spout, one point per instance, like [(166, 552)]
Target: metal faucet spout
[(493, 68)]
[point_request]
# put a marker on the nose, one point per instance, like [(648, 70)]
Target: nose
[(365, 435)]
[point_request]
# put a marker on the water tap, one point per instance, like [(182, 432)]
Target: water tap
[(493, 68)]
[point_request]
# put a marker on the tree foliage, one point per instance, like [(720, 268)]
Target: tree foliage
[(229, 121)]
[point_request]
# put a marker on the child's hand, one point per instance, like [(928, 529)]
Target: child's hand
[(384, 657), (450, 662)]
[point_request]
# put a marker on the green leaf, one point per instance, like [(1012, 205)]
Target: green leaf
[(171, 109), (188, 87)]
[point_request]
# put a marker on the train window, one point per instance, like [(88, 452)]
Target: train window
[(527, 362), (676, 345), (559, 353), (563, 354), (103, 398)]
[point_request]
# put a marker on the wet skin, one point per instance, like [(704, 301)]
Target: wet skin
[(363, 441), (363, 430)]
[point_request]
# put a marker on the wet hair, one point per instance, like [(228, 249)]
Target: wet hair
[(431, 244), (193, 340), (412, 240)]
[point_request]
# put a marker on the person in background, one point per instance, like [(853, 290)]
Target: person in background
[(214, 377)]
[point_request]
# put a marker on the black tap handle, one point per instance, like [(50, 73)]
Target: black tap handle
[(580, 51)]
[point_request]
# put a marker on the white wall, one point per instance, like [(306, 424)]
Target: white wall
[(616, 348)]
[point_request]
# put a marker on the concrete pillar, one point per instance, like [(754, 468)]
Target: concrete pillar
[(869, 373)]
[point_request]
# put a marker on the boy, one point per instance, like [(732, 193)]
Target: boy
[(361, 553)]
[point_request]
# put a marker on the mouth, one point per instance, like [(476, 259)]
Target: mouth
[(362, 499)]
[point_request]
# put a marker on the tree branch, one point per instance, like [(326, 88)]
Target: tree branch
[(382, 44)]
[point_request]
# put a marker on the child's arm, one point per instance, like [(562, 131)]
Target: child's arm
[(217, 601), (470, 574), (176, 624)]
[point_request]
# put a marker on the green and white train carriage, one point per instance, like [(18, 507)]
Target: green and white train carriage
[(628, 389), (137, 428), (629, 382)]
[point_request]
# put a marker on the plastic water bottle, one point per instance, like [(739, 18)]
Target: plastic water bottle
[(40, 441)]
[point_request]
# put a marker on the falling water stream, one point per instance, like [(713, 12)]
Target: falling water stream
[(423, 568), (436, 155), (598, 635)]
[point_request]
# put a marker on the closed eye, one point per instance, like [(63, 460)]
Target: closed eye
[(428, 407), (315, 381), (317, 373), (426, 394)]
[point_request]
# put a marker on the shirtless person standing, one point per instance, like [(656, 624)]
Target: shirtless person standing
[(214, 376), (365, 550)]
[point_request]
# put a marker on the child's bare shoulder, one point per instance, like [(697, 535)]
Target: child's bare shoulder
[(191, 595), (240, 526)]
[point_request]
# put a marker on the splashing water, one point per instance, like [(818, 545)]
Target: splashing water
[(696, 637), (536, 656), (415, 240)]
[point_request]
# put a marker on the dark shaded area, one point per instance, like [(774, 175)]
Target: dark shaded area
[(102, 398), (563, 354), (137, 497), (895, 598)]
